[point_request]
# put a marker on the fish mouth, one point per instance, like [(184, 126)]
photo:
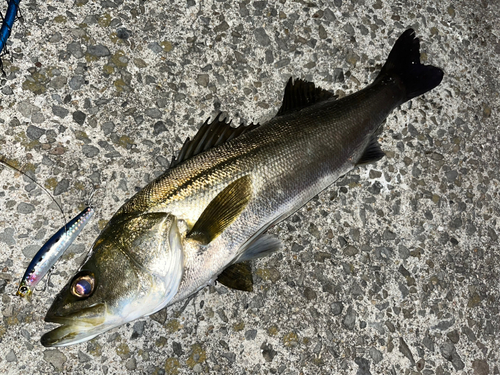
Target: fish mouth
[(77, 327)]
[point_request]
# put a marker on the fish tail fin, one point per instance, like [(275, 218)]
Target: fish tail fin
[(404, 68)]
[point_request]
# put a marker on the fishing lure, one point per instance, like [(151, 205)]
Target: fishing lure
[(7, 23), (55, 247), (49, 253)]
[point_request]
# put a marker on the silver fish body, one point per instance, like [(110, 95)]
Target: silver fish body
[(290, 159), (222, 194)]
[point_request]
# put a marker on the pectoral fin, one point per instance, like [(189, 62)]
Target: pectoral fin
[(222, 211), (237, 276)]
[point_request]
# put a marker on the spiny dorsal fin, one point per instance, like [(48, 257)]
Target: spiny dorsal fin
[(372, 152), (210, 135), (237, 276), (300, 94), (222, 211)]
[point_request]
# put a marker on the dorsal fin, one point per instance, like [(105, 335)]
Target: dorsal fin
[(300, 94), (210, 135)]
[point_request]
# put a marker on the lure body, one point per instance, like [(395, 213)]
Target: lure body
[(53, 249)]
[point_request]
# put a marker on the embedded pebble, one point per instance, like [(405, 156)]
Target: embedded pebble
[(268, 352), (403, 348), (76, 82), (7, 90), (61, 187), (203, 80), (90, 151), (349, 319), (79, 117), (364, 366), (138, 329), (59, 111), (37, 118), (11, 356), (25, 208), (98, 50), (58, 82), (55, 357), (481, 367), (449, 352), (337, 308), (123, 33), (30, 251), (177, 349), (153, 113), (251, 334), (83, 358), (75, 49), (7, 236), (131, 364), (34, 132), (261, 37), (107, 127)]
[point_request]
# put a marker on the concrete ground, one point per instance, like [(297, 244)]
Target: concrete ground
[(395, 269)]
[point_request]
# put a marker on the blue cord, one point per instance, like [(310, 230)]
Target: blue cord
[(7, 23)]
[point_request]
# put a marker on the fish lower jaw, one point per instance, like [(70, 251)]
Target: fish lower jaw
[(77, 328), (72, 334), (74, 331)]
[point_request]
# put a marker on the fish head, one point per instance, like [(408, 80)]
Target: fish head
[(134, 270)]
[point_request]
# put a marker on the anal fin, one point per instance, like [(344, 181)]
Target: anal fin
[(372, 152), (237, 276)]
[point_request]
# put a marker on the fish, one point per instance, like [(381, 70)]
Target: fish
[(206, 217), (51, 251)]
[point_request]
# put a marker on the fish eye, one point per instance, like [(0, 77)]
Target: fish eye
[(24, 289), (83, 286)]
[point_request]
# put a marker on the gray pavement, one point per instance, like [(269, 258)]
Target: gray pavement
[(395, 269)]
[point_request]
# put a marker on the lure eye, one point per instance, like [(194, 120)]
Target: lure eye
[(83, 286), (22, 291)]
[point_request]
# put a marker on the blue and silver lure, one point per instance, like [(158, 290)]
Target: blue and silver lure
[(53, 249)]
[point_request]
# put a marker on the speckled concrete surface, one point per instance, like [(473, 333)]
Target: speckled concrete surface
[(395, 269)]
